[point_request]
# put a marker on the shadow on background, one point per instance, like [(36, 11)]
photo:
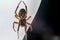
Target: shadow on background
[(45, 24)]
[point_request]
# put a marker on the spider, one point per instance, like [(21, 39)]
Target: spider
[(22, 17)]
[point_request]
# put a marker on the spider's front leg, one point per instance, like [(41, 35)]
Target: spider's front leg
[(17, 7), (13, 25)]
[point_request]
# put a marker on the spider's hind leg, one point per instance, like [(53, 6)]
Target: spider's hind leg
[(30, 25), (18, 31), (25, 32), (13, 25)]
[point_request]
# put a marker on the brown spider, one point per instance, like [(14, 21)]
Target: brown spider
[(22, 17)]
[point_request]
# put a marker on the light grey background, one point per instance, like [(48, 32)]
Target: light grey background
[(7, 8)]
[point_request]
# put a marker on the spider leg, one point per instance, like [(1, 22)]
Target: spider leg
[(26, 31), (17, 16), (18, 31), (30, 25), (17, 7), (28, 18), (13, 25), (25, 5)]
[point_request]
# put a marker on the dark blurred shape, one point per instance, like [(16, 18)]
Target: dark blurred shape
[(45, 23)]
